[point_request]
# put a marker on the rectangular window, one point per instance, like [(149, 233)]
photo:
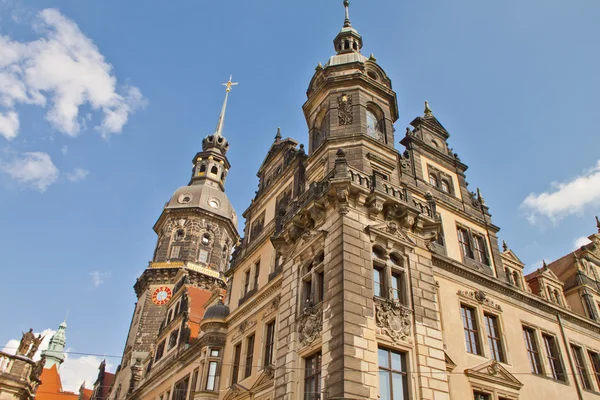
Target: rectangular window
[(160, 350), (580, 366), (256, 274), (532, 351), (194, 383), (237, 354), (470, 328), (203, 256), (312, 377), (249, 356), (320, 286), (173, 339), (307, 290), (465, 243), (481, 249), (494, 337), (553, 358), (397, 286), (595, 359), (246, 282), (180, 389), (212, 375), (393, 382), (175, 251), (270, 343), (378, 282)]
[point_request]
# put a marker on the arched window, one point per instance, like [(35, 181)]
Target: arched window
[(374, 128), (378, 253), (214, 170), (517, 279), (202, 168), (558, 298), (205, 239), (433, 180), (180, 234), (445, 186)]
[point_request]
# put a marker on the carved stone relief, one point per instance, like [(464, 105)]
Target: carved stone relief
[(310, 325), (345, 115), (480, 297), (393, 319)]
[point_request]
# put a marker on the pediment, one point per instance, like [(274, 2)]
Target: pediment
[(494, 372), (511, 256), (432, 124), (236, 391), (549, 274), (392, 231), (265, 378), (276, 148), (450, 365)]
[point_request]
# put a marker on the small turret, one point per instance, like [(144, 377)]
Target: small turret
[(55, 355)]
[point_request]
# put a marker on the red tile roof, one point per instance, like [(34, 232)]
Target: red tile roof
[(197, 300), (51, 386)]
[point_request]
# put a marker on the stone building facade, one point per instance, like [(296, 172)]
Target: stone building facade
[(363, 272)]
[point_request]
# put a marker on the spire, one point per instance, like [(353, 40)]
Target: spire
[(348, 40), (228, 85), (278, 136), (347, 23), (55, 355)]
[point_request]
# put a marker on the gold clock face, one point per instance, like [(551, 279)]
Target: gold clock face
[(161, 295)]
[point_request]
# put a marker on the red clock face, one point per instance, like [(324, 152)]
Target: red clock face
[(161, 295)]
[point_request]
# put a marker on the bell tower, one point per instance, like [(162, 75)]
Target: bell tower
[(351, 105), (196, 231)]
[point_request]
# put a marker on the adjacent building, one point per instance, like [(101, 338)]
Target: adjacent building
[(364, 272)]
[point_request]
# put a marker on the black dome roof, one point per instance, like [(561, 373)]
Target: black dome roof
[(219, 310)]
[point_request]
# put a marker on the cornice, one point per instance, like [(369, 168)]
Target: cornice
[(267, 291), (519, 296)]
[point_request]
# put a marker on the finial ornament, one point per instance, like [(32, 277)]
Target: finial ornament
[(504, 246), (428, 112), (228, 85), (278, 136), (544, 265), (347, 20), (598, 223)]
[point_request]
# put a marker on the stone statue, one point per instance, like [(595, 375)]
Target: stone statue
[(36, 370), (26, 341), (35, 345)]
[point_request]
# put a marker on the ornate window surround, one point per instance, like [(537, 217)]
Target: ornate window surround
[(482, 304)]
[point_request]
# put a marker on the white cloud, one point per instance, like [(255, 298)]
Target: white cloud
[(9, 124), (64, 70), (74, 370), (77, 175), (581, 241), (565, 198), (35, 170), (98, 278)]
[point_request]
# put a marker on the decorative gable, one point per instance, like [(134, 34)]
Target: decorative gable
[(511, 257), (493, 372), (389, 233), (236, 391)]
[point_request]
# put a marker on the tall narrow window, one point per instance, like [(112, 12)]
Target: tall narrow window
[(397, 286), (175, 250), (465, 242), (581, 368), (481, 249), (180, 389), (211, 377), (270, 343), (194, 382), (312, 377), (517, 279), (556, 366), (235, 371), (249, 356), (393, 383), (532, 351), (320, 286), (494, 337), (470, 328), (173, 339), (160, 350), (307, 290), (595, 359), (246, 282), (378, 289), (256, 274), (374, 127)]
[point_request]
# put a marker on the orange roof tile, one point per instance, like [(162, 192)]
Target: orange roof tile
[(51, 386), (197, 300)]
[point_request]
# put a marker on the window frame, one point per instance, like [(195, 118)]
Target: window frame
[(532, 349), (312, 281), (249, 359), (472, 331), (313, 381), (595, 364), (390, 371), (235, 365), (269, 344), (389, 266), (555, 359), (172, 343), (498, 354), (581, 367)]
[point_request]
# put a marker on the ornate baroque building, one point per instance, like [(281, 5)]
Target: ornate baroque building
[(363, 272)]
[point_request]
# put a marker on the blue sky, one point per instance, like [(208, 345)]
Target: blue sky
[(82, 182)]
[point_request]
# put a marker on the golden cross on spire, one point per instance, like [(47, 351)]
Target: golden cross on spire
[(229, 84)]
